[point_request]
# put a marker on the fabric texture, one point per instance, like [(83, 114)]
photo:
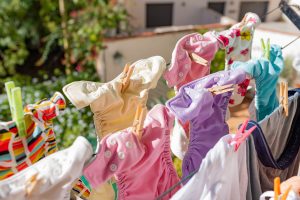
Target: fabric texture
[(114, 110), (237, 40), (143, 168), (56, 172), (195, 104), (18, 153), (265, 73), (273, 148), (222, 175), (183, 69)]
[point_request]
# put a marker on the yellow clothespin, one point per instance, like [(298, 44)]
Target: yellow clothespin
[(283, 97), (198, 59), (266, 48), (139, 119), (277, 191), (221, 89), (128, 70)]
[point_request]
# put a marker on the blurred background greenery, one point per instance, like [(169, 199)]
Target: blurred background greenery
[(45, 44)]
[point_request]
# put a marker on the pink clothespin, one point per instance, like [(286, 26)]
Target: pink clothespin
[(241, 135)]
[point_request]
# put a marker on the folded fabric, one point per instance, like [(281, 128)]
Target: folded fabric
[(205, 112), (265, 73), (183, 69), (114, 110), (143, 168), (54, 175), (222, 174), (273, 148), (18, 153)]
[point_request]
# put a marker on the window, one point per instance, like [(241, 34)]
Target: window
[(260, 8), (159, 14), (218, 7)]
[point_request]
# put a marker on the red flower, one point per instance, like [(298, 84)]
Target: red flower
[(237, 32), (231, 101), (224, 39), (230, 50), (79, 68), (230, 61), (245, 51), (73, 14)]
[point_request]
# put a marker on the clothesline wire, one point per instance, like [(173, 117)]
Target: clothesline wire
[(177, 184), (290, 42)]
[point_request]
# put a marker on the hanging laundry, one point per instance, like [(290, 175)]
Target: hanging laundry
[(115, 110), (222, 174), (18, 153), (265, 73), (50, 178), (183, 69), (205, 112), (237, 41), (143, 168), (273, 148)]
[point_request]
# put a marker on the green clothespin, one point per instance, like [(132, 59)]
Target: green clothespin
[(9, 86), (266, 48), (16, 106)]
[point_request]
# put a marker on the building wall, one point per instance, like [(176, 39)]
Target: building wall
[(133, 49), (191, 12)]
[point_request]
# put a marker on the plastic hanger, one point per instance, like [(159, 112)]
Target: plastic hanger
[(16, 107), (283, 97), (290, 13), (128, 70)]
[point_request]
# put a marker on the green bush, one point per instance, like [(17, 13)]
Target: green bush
[(72, 122)]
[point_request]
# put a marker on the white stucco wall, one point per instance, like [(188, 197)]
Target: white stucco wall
[(192, 12), (133, 49)]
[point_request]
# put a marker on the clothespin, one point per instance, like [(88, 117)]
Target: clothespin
[(277, 191), (241, 135), (16, 107), (198, 59), (283, 97), (128, 72), (32, 183), (266, 48), (139, 119), (221, 89)]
